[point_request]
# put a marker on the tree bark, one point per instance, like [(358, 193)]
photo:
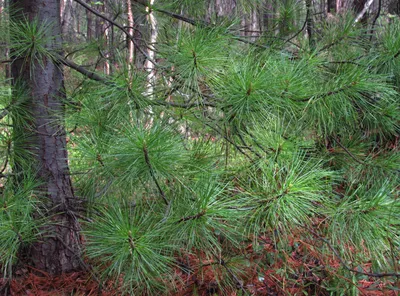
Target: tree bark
[(42, 139)]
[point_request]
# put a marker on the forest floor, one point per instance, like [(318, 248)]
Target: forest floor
[(300, 272)]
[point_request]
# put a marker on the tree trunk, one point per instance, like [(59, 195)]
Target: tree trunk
[(43, 140), (90, 26), (310, 24), (67, 20), (131, 46), (331, 5)]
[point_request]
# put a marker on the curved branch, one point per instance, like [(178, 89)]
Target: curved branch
[(302, 28)]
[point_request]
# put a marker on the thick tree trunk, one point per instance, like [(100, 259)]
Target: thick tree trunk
[(43, 139)]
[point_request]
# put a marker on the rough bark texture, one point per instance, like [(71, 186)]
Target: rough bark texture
[(44, 138)]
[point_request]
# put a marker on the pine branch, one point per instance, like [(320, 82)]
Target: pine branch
[(344, 264), (246, 146), (82, 70), (238, 282), (348, 152), (193, 217), (360, 161), (104, 80), (302, 28), (183, 105), (147, 160), (226, 138), (329, 93)]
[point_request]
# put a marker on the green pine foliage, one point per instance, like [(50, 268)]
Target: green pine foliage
[(20, 220), (236, 142)]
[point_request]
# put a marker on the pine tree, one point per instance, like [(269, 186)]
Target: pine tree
[(228, 138)]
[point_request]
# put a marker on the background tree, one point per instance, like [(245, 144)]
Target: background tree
[(39, 139)]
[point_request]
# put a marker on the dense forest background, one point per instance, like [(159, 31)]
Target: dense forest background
[(211, 147)]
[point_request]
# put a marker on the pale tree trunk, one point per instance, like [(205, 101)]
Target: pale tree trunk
[(220, 9), (149, 65), (107, 30), (254, 24), (339, 6), (67, 20), (131, 47), (107, 53), (43, 140), (225, 8), (361, 8), (250, 24)]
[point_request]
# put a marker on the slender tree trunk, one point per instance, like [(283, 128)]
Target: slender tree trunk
[(67, 20), (43, 139), (361, 7), (339, 6), (149, 65), (5, 53), (310, 24), (131, 23), (90, 26)]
